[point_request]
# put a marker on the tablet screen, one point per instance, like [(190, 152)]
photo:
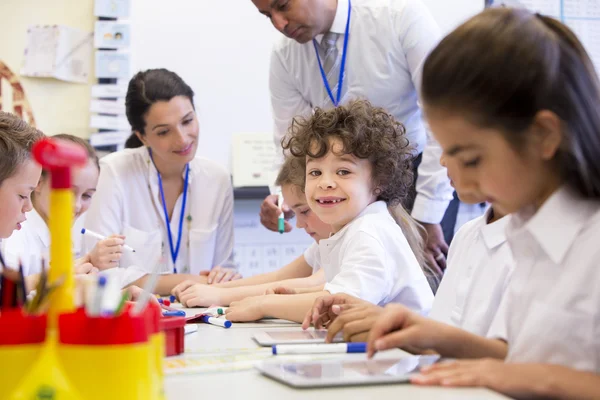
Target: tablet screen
[(364, 368)]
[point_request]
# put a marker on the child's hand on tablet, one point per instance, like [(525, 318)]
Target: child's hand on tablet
[(193, 294), (326, 308), (107, 253), (249, 309), (355, 322), (397, 326)]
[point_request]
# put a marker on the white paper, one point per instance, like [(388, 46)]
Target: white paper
[(110, 138), (253, 159), (109, 122), (112, 8), (108, 106), (112, 64), (57, 51), (109, 91), (112, 35)]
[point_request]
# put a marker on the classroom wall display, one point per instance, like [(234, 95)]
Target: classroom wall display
[(112, 64), (582, 16), (112, 35), (112, 8), (12, 95), (57, 51)]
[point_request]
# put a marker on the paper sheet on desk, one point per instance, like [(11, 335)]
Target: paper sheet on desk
[(263, 323), (215, 361)]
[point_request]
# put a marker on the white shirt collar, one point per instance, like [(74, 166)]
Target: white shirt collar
[(494, 234), (339, 21), (39, 226), (153, 172), (377, 207), (556, 224)]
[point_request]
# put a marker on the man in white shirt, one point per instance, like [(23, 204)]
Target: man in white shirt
[(376, 48)]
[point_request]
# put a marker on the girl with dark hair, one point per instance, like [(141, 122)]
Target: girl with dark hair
[(513, 99), (175, 209)]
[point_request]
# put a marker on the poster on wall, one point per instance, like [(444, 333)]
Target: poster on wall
[(112, 35), (57, 51), (112, 8), (112, 64)]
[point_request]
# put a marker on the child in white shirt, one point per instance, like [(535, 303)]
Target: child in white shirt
[(304, 272), (523, 125), (478, 268), (358, 163)]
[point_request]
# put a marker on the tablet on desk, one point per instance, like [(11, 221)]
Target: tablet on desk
[(345, 372), (283, 336)]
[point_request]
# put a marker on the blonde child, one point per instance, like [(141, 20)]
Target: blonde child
[(523, 123), (303, 272), (357, 163), (31, 244), (19, 174)]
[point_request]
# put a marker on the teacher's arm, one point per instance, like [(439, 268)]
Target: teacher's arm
[(286, 102)]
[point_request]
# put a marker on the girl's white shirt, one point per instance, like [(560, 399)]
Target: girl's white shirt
[(31, 244)]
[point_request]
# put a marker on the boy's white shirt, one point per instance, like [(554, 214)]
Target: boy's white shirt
[(550, 312), (478, 270), (127, 202), (312, 257), (31, 243), (371, 259)]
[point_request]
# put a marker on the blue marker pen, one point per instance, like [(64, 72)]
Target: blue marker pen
[(321, 348), (207, 319), (281, 219), (173, 313)]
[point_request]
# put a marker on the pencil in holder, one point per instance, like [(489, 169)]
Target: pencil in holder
[(113, 350), (153, 315), (21, 340)]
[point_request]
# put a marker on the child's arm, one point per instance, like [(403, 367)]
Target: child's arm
[(520, 381), (166, 283), (291, 307), (399, 327), (194, 295), (298, 268)]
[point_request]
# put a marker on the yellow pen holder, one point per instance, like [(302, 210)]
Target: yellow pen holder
[(108, 357), (21, 340)]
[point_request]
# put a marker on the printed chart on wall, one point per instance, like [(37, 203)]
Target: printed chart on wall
[(582, 16)]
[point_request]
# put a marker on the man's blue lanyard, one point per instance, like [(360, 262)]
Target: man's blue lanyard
[(336, 101), (174, 251)]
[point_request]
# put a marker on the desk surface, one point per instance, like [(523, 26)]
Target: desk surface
[(224, 359)]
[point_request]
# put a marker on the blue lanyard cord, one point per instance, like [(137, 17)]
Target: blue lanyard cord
[(174, 251), (336, 101)]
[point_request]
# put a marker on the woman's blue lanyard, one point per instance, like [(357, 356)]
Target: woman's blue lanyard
[(174, 251), (336, 101)]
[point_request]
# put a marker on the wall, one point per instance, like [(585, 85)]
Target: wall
[(57, 106)]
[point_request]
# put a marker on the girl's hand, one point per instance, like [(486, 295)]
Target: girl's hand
[(193, 294), (107, 253), (249, 309), (354, 321), (326, 309), (220, 274), (399, 327)]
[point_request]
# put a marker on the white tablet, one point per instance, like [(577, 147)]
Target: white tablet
[(345, 372), (286, 336)]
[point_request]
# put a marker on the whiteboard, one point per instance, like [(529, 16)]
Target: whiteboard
[(221, 49)]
